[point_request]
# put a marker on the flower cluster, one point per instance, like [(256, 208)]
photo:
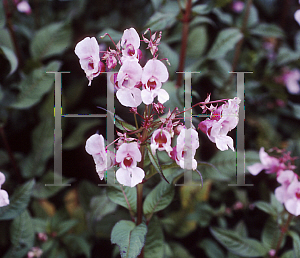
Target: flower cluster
[(222, 120), (289, 191), (134, 85), (4, 200)]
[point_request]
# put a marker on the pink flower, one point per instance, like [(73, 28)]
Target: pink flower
[(297, 16), (268, 163), (24, 7), (285, 178), (130, 43), (222, 120), (185, 151), (238, 6), (292, 204), (129, 174), (35, 252), (153, 42), (103, 159), (4, 200), (111, 58), (128, 80), (161, 140), (154, 74), (291, 80), (87, 51)]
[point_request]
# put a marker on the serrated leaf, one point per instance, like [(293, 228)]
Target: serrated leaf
[(245, 247), (296, 243), (42, 149), (18, 201), (11, 57), (154, 245), (211, 249), (266, 207), (21, 235), (77, 136), (66, 226), (267, 30), (77, 245), (159, 198), (286, 55), (41, 191), (116, 195), (225, 41), (161, 21), (270, 234), (129, 237), (201, 9), (35, 85), (101, 206), (197, 41), (51, 40)]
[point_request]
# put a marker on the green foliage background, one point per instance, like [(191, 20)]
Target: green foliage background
[(190, 222)]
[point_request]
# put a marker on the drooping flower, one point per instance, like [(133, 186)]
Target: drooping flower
[(222, 120), (292, 204), (297, 16), (161, 140), (4, 200), (87, 51), (110, 56), (130, 43), (268, 163), (184, 151), (154, 74), (128, 80), (103, 159), (129, 174), (24, 7), (285, 178), (153, 42)]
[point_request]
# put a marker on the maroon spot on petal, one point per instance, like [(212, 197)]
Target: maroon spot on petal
[(128, 161)]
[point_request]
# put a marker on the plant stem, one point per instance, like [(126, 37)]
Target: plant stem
[(185, 32), (139, 191), (282, 234)]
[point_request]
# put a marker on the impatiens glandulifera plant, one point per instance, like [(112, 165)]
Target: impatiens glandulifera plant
[(288, 193), (157, 132)]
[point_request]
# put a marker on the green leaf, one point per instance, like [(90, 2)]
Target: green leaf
[(101, 206), (161, 21), (77, 245), (21, 235), (286, 55), (296, 243), (66, 226), (197, 41), (18, 201), (156, 4), (267, 30), (288, 254), (116, 195), (41, 191), (245, 247), (201, 9), (2, 16), (270, 234), (155, 163), (266, 207), (77, 137), (35, 85), (11, 57), (122, 125), (159, 198), (129, 237), (154, 245), (224, 165), (225, 41), (42, 149), (51, 40), (211, 249)]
